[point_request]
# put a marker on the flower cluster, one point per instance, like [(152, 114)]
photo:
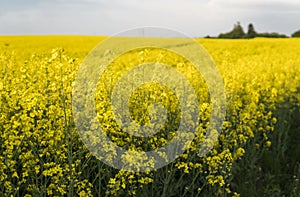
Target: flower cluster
[(41, 153)]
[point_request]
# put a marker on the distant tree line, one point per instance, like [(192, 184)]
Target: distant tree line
[(237, 32), (296, 34)]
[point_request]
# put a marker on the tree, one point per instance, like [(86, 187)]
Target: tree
[(296, 34), (272, 35), (237, 32), (251, 31)]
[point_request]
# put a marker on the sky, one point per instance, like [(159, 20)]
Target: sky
[(195, 18)]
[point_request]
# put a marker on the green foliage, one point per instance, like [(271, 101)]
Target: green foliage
[(271, 35), (296, 34), (251, 31), (237, 32)]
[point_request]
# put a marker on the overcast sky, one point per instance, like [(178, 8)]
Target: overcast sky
[(108, 17)]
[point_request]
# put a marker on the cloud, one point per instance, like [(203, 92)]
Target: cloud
[(259, 5), (103, 17)]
